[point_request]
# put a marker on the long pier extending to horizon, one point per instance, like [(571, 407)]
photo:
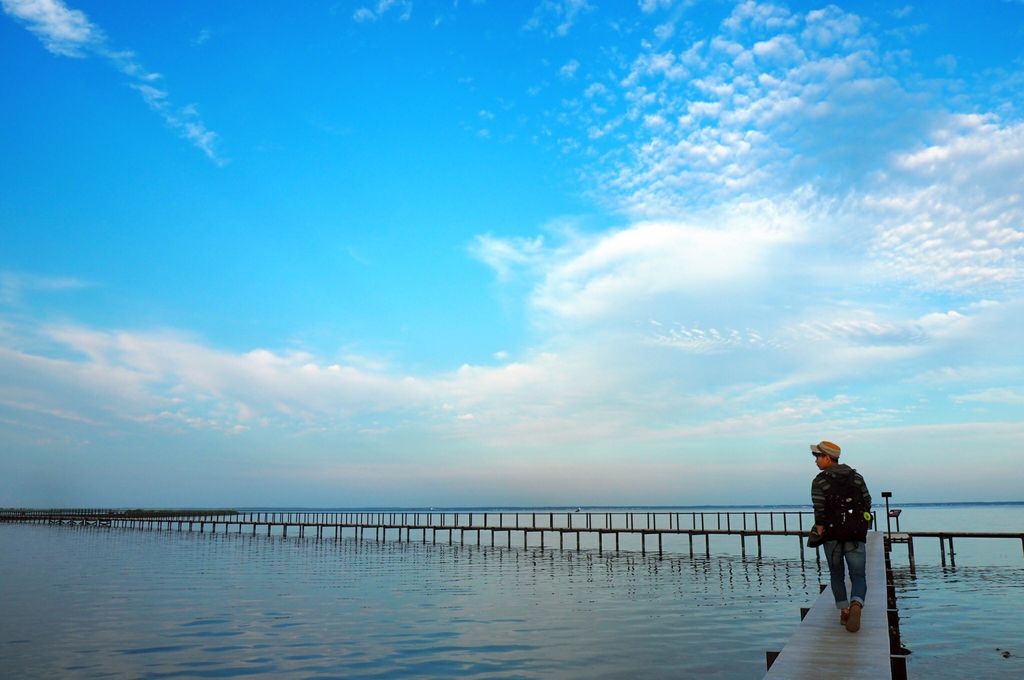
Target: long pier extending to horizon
[(411, 524)]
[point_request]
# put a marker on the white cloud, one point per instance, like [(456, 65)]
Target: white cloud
[(752, 15), (951, 214), (650, 259), (557, 17), (649, 6), (709, 341), (569, 69), (69, 33), (993, 395), (505, 255), (375, 12), (753, 111), (831, 26), (14, 285), (63, 31)]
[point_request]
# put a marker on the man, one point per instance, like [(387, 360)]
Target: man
[(842, 506)]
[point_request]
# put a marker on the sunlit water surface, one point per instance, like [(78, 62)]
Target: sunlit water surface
[(97, 602)]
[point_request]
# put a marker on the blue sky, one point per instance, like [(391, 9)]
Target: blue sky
[(469, 253)]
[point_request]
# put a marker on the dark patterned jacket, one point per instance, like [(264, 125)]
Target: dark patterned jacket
[(824, 480)]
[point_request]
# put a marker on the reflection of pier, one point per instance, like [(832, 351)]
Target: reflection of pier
[(496, 525)]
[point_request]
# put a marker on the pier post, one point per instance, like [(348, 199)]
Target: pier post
[(600, 541)]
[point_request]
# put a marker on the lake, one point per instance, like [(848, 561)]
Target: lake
[(97, 602)]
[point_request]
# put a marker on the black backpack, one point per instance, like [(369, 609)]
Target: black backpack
[(844, 510)]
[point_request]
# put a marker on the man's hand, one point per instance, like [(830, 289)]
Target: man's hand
[(819, 529)]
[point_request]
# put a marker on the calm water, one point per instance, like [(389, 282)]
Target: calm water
[(87, 602)]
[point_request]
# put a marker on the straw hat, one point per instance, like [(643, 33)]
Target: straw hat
[(827, 448)]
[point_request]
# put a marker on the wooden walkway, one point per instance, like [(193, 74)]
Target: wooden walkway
[(822, 648), (566, 527)]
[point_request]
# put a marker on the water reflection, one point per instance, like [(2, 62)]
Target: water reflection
[(89, 602), (93, 601)]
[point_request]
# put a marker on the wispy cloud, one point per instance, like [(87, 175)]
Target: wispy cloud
[(375, 12), (14, 285), (993, 395), (68, 32), (557, 17), (63, 31)]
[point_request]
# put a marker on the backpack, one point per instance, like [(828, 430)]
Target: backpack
[(844, 510)]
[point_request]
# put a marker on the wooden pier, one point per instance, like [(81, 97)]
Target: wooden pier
[(946, 537), (822, 648), (491, 526)]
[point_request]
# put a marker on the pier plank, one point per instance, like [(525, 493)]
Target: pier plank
[(822, 648)]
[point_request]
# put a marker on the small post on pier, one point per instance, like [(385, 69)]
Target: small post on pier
[(888, 521)]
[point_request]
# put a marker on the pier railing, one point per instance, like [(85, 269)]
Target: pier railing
[(732, 521), (613, 524)]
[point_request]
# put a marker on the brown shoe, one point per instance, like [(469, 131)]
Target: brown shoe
[(853, 622), (844, 616)]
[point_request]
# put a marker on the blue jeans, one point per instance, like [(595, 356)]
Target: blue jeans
[(855, 555)]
